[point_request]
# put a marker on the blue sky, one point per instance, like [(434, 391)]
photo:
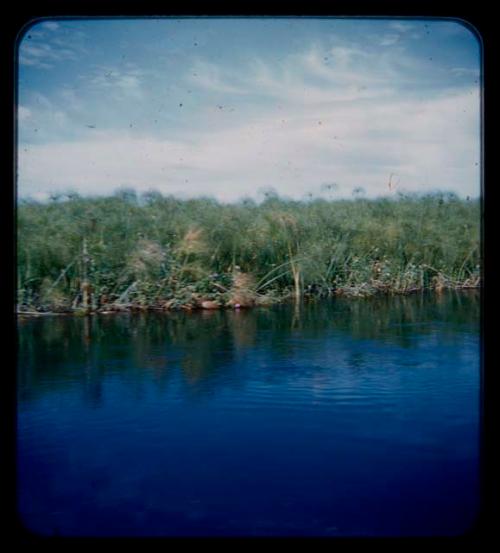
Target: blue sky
[(232, 107)]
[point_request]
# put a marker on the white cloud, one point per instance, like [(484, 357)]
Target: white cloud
[(44, 47), (341, 74), (402, 26), (23, 113), (389, 40), (50, 25), (210, 77), (334, 115), (428, 145), (127, 82), (43, 55), (465, 71)]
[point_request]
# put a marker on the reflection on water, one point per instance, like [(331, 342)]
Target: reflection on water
[(345, 417)]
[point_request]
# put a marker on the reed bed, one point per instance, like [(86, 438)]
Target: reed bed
[(82, 254)]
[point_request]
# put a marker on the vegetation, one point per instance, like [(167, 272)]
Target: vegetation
[(150, 251)]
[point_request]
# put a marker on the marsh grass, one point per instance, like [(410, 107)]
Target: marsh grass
[(125, 251)]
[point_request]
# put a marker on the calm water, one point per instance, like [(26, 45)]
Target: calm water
[(342, 418)]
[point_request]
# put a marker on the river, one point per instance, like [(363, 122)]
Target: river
[(345, 417)]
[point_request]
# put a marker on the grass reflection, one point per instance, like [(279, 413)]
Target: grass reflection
[(200, 348)]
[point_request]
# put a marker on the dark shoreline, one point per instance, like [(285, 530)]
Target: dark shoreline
[(131, 308)]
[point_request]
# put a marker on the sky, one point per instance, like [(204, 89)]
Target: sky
[(232, 108)]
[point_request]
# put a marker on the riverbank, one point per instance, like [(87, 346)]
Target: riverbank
[(200, 304), (125, 252)]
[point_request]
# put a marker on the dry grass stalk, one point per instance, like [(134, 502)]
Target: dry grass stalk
[(243, 290), (192, 242)]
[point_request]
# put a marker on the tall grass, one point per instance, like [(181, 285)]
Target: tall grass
[(156, 251)]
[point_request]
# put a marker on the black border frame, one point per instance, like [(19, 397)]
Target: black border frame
[(18, 22)]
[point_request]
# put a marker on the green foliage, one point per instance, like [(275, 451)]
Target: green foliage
[(149, 250)]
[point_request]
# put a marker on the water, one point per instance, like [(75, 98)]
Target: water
[(342, 418)]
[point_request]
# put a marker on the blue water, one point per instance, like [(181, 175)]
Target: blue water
[(340, 418)]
